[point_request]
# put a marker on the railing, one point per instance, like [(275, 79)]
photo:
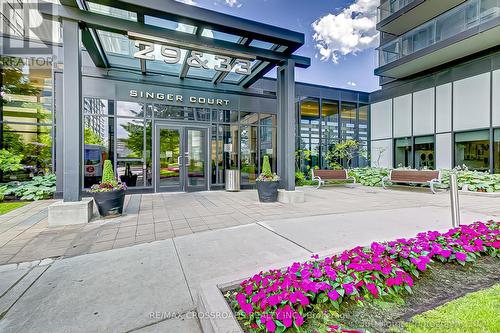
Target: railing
[(389, 7), (461, 18)]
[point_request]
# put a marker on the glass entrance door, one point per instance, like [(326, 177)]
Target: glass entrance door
[(181, 159)]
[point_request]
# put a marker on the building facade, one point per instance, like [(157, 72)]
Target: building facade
[(173, 95), (439, 68)]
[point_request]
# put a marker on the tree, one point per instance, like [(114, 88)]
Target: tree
[(92, 138), (342, 154)]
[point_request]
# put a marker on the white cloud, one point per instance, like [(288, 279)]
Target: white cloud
[(188, 2), (352, 84), (348, 32), (233, 3)]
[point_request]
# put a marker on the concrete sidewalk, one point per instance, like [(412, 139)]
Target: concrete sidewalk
[(25, 235), (152, 287)]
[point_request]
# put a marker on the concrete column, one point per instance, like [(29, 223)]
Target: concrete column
[(286, 126), (72, 115)]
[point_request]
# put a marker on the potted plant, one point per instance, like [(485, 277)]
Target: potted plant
[(109, 194), (267, 183), (129, 178)]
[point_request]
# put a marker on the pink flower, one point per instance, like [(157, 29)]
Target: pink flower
[(299, 320), (460, 256), (317, 273), (349, 288), (333, 295), (270, 326), (249, 289), (372, 288)]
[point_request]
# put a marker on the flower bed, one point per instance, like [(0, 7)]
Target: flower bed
[(279, 299)]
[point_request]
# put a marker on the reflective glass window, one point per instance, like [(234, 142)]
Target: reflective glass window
[(309, 133), (98, 146), (424, 152), (472, 149), (496, 150), (249, 151), (403, 156)]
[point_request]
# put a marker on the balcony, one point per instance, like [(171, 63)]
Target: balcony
[(399, 16), (466, 29)]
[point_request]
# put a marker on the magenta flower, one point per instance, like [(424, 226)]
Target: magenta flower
[(460, 256), (299, 320), (349, 288), (333, 295), (270, 326)]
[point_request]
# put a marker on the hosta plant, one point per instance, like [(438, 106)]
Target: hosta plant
[(369, 176), (39, 188)]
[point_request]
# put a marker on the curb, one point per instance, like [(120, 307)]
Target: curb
[(27, 264)]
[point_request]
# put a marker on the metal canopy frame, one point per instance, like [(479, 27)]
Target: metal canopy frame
[(247, 31)]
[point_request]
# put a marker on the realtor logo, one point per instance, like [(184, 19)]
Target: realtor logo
[(28, 31)]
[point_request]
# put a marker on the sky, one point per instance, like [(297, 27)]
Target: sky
[(340, 35)]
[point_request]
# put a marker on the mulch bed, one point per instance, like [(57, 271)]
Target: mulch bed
[(437, 286)]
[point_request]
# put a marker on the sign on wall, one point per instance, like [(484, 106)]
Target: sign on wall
[(195, 59)]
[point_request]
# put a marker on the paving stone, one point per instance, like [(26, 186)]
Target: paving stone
[(182, 232)]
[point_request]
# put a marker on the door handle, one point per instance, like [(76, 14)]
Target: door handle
[(187, 158), (179, 160)]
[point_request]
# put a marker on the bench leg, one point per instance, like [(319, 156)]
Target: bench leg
[(383, 183), (432, 183), (320, 182)]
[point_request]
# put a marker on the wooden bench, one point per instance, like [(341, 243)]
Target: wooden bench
[(430, 177), (323, 175)]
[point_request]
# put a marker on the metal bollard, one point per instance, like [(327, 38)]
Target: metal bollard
[(455, 204)]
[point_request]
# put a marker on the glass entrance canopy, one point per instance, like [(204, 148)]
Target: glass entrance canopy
[(179, 40)]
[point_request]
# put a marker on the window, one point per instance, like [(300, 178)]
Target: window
[(403, 153), (363, 135), (424, 152), (268, 145), (496, 150), (472, 149), (26, 117), (98, 136), (309, 133), (248, 154), (348, 121), (228, 134)]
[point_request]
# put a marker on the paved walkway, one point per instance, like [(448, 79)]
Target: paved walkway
[(152, 287), (25, 235)]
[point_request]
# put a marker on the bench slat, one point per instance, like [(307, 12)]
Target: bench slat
[(413, 176), (331, 174)]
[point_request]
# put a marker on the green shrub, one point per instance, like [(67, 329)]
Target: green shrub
[(473, 180), (39, 188), (10, 162), (299, 178), (266, 167), (108, 175), (369, 176)]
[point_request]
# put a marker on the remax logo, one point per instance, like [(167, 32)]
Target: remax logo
[(24, 30)]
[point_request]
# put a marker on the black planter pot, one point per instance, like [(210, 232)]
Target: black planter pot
[(268, 191), (110, 203)]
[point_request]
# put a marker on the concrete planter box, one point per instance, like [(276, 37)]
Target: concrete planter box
[(215, 314), (481, 194)]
